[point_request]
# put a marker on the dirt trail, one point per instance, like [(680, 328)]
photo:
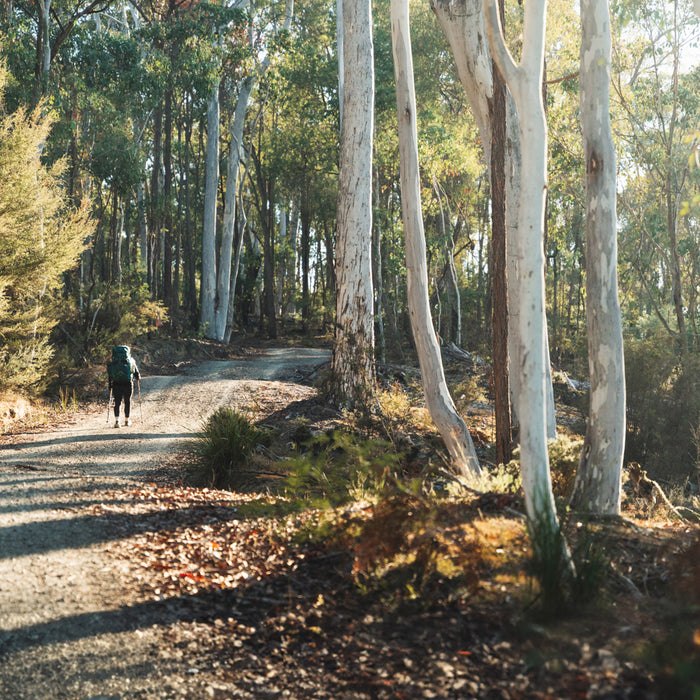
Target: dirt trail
[(69, 625)]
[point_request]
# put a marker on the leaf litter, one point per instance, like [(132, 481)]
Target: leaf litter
[(238, 603), (283, 616)]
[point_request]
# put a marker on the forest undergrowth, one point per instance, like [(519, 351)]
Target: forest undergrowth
[(372, 533), (399, 581)]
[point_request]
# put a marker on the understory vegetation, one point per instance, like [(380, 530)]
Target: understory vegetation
[(371, 496), (169, 180)]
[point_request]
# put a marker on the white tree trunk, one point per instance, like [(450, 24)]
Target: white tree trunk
[(223, 278), (524, 82), (45, 6), (282, 268), (597, 486), (462, 21), (242, 223), (445, 230), (209, 218), (442, 409), (223, 275), (352, 367), (293, 232), (514, 174)]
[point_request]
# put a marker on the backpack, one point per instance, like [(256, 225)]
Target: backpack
[(120, 369)]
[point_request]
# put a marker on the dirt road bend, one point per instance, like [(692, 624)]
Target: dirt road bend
[(70, 626)]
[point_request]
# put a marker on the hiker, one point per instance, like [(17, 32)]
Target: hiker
[(122, 371)]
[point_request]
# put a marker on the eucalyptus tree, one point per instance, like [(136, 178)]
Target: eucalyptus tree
[(208, 320), (54, 22), (352, 366), (463, 24), (451, 170), (451, 426), (524, 80), (598, 479), (306, 151), (565, 225), (224, 283)]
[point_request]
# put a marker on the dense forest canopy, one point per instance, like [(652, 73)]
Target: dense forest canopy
[(132, 92)]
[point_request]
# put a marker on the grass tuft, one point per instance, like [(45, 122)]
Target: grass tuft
[(224, 447)]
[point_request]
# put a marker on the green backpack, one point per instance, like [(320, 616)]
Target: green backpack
[(120, 369)]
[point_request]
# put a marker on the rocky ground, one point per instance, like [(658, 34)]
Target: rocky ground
[(117, 580)]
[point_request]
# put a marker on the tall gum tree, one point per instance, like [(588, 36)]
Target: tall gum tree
[(215, 296), (597, 486), (463, 24), (442, 409), (224, 281), (352, 366), (525, 83), (208, 292)]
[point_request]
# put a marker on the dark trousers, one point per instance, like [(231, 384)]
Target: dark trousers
[(122, 390)]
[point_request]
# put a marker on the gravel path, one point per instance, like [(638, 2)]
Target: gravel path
[(71, 623)]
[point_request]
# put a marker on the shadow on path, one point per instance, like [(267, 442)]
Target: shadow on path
[(100, 437), (84, 531), (248, 604)]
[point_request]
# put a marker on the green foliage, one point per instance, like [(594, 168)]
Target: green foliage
[(415, 548), (663, 401), (41, 237), (115, 317), (338, 468), (504, 478), (590, 563), (550, 564), (676, 657), (466, 392), (564, 453), (224, 447), (122, 316), (67, 400), (567, 577), (116, 160), (397, 414)]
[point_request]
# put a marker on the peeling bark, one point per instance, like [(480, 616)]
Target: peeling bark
[(524, 81), (442, 409), (352, 367), (597, 486)]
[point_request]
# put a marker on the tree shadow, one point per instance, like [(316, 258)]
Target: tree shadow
[(248, 604), (99, 437), (45, 536)]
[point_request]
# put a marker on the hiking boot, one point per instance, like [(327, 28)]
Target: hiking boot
[(117, 424), (127, 422)]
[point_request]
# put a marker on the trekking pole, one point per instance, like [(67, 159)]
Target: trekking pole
[(109, 403), (138, 384)]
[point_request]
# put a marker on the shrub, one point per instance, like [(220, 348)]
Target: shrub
[(224, 447), (41, 237), (663, 399), (398, 416), (564, 453), (114, 317), (415, 547), (339, 467), (567, 576)]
